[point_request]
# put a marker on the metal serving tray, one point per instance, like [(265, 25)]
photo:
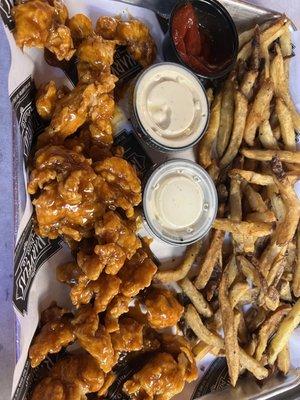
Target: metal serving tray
[(277, 387)]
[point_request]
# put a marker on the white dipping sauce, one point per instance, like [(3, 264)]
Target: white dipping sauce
[(171, 105)]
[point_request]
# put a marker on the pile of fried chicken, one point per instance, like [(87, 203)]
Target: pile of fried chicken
[(84, 191)]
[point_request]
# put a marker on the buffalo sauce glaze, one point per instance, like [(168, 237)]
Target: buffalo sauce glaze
[(200, 40)]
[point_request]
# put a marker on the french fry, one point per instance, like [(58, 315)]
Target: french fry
[(258, 111), (286, 125), (283, 360), (196, 298), (244, 228), (286, 327), (213, 171), (226, 117), (201, 349), (210, 96), (266, 136), (240, 113), (281, 87), (254, 199), (252, 177), (205, 146), (235, 199), (194, 321), (277, 132), (238, 292), (296, 278), (248, 82), (267, 155), (251, 75), (276, 202), (210, 260), (267, 216), (230, 330), (268, 328), (183, 269), (285, 42), (277, 267)]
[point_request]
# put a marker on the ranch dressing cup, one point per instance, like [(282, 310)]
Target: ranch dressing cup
[(170, 107), (180, 202)]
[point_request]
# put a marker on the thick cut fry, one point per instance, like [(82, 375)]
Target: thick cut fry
[(286, 327), (205, 146), (267, 155), (210, 260), (194, 321), (286, 125), (296, 278), (252, 177), (258, 111), (239, 122), (183, 269), (266, 136), (281, 87), (230, 330), (267, 216), (268, 328), (256, 229), (196, 298), (283, 360), (226, 117), (254, 199)]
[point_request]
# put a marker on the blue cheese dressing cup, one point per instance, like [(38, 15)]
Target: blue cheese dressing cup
[(180, 202)]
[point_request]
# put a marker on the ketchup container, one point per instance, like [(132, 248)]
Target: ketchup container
[(202, 36)]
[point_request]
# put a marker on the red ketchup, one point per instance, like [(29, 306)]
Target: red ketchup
[(195, 42)]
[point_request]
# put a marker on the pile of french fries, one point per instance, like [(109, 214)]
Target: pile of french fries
[(245, 298)]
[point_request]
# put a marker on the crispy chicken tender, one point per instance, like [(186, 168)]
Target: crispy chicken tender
[(94, 338), (67, 203), (71, 379), (80, 26), (113, 229), (118, 184), (161, 378), (103, 290), (129, 337), (117, 307), (163, 309), (136, 274), (133, 34), (38, 24), (54, 335)]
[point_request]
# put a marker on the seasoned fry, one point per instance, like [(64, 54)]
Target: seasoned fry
[(267, 216), (201, 349), (210, 260), (286, 327), (226, 117), (276, 202), (235, 199), (205, 146), (266, 136), (283, 360), (250, 76), (267, 155), (286, 125), (194, 321), (256, 229), (268, 328), (239, 121), (258, 111), (238, 292), (252, 177), (248, 83), (230, 330), (196, 298), (281, 87), (296, 278), (254, 199), (183, 269)]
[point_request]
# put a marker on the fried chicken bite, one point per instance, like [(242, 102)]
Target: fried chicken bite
[(94, 338), (113, 229), (117, 307), (56, 333), (72, 378), (59, 42), (80, 26), (65, 200), (133, 34), (103, 290), (46, 99), (129, 337), (161, 378), (118, 184), (97, 52), (163, 309), (136, 274)]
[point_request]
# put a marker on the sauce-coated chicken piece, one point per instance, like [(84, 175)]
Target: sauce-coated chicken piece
[(80, 26)]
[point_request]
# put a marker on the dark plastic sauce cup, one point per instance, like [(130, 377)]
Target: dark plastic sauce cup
[(217, 47)]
